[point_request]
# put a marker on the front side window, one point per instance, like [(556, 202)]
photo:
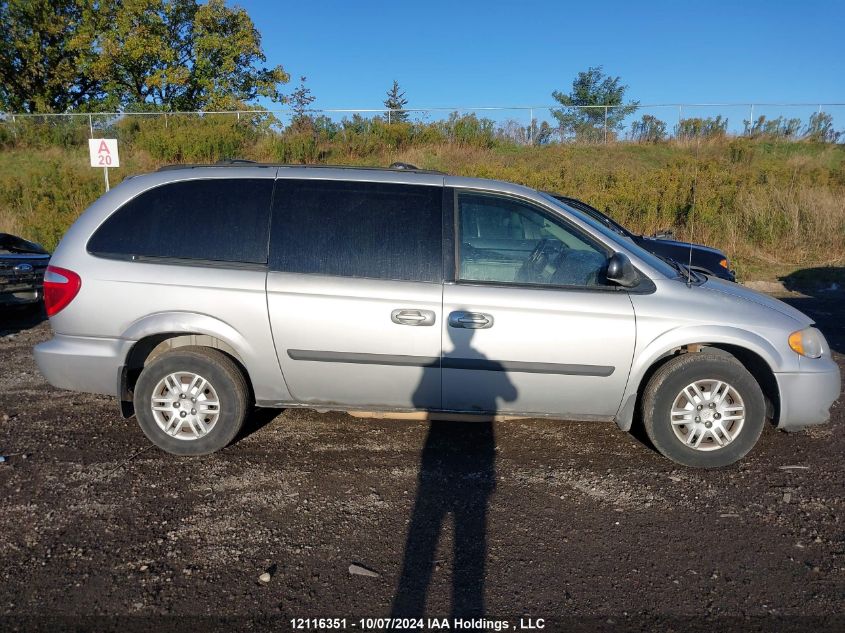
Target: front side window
[(505, 240), (624, 242), (220, 219), (357, 229)]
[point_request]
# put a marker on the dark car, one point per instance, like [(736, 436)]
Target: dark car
[(22, 266), (706, 260)]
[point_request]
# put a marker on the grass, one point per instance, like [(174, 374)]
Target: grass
[(775, 206)]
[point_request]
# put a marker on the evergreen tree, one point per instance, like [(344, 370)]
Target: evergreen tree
[(300, 102), (396, 103)]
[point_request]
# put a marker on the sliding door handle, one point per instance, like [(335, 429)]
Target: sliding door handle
[(412, 317), (471, 320)]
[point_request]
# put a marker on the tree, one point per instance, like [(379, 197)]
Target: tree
[(46, 54), (696, 127), (820, 128), (356, 125), (326, 128), (57, 55), (395, 102), (592, 88), (649, 129), (182, 55), (541, 134), (300, 102), (468, 129), (774, 128), (535, 133)]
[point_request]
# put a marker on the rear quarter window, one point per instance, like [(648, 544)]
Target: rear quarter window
[(221, 219)]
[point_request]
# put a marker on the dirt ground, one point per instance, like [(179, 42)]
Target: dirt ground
[(575, 524)]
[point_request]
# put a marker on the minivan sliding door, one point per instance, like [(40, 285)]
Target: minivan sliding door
[(354, 292)]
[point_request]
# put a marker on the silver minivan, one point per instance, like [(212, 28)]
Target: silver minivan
[(196, 292)]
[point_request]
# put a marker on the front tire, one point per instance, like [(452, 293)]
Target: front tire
[(703, 410), (191, 401)]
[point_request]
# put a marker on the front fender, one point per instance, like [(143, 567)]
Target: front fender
[(704, 334), (667, 342)]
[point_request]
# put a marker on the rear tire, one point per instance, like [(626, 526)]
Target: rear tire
[(191, 401), (703, 410)]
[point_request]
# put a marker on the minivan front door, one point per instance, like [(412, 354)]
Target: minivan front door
[(354, 292), (529, 325)]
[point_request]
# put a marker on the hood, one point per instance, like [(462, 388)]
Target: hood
[(13, 244), (686, 245), (741, 292)]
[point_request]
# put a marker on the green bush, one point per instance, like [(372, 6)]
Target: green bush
[(45, 195), (468, 130), (7, 136), (296, 148), (188, 138), (44, 132)]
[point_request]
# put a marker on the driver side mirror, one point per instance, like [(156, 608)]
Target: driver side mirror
[(621, 271)]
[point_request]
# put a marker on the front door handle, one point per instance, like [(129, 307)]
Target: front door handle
[(412, 317), (471, 320)]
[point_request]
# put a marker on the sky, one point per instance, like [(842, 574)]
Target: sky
[(467, 53)]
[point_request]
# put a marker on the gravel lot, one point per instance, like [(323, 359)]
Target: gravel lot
[(575, 523)]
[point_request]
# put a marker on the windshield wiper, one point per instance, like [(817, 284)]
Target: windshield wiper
[(685, 271)]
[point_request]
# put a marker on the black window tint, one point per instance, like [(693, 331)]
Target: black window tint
[(357, 229), (220, 220)]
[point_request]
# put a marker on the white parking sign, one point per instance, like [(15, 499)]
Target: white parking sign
[(103, 152)]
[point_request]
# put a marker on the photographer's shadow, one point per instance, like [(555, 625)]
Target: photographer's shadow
[(457, 476)]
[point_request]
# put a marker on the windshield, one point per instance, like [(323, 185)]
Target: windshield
[(596, 215), (607, 221), (628, 244)]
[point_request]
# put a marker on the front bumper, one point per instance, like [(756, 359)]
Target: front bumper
[(806, 397), (20, 294), (81, 363)]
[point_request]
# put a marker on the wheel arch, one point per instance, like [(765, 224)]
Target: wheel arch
[(160, 333), (756, 354)]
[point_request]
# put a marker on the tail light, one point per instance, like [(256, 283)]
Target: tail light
[(60, 287)]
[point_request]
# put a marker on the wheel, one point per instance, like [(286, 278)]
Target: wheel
[(191, 401), (703, 410)]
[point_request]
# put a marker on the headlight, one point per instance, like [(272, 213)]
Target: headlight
[(807, 342)]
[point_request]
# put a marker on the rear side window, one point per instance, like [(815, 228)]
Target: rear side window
[(357, 229), (224, 220)]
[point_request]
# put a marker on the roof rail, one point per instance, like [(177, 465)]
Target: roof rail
[(235, 161), (239, 162)]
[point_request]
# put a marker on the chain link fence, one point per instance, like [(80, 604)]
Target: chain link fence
[(764, 180), (524, 125)]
